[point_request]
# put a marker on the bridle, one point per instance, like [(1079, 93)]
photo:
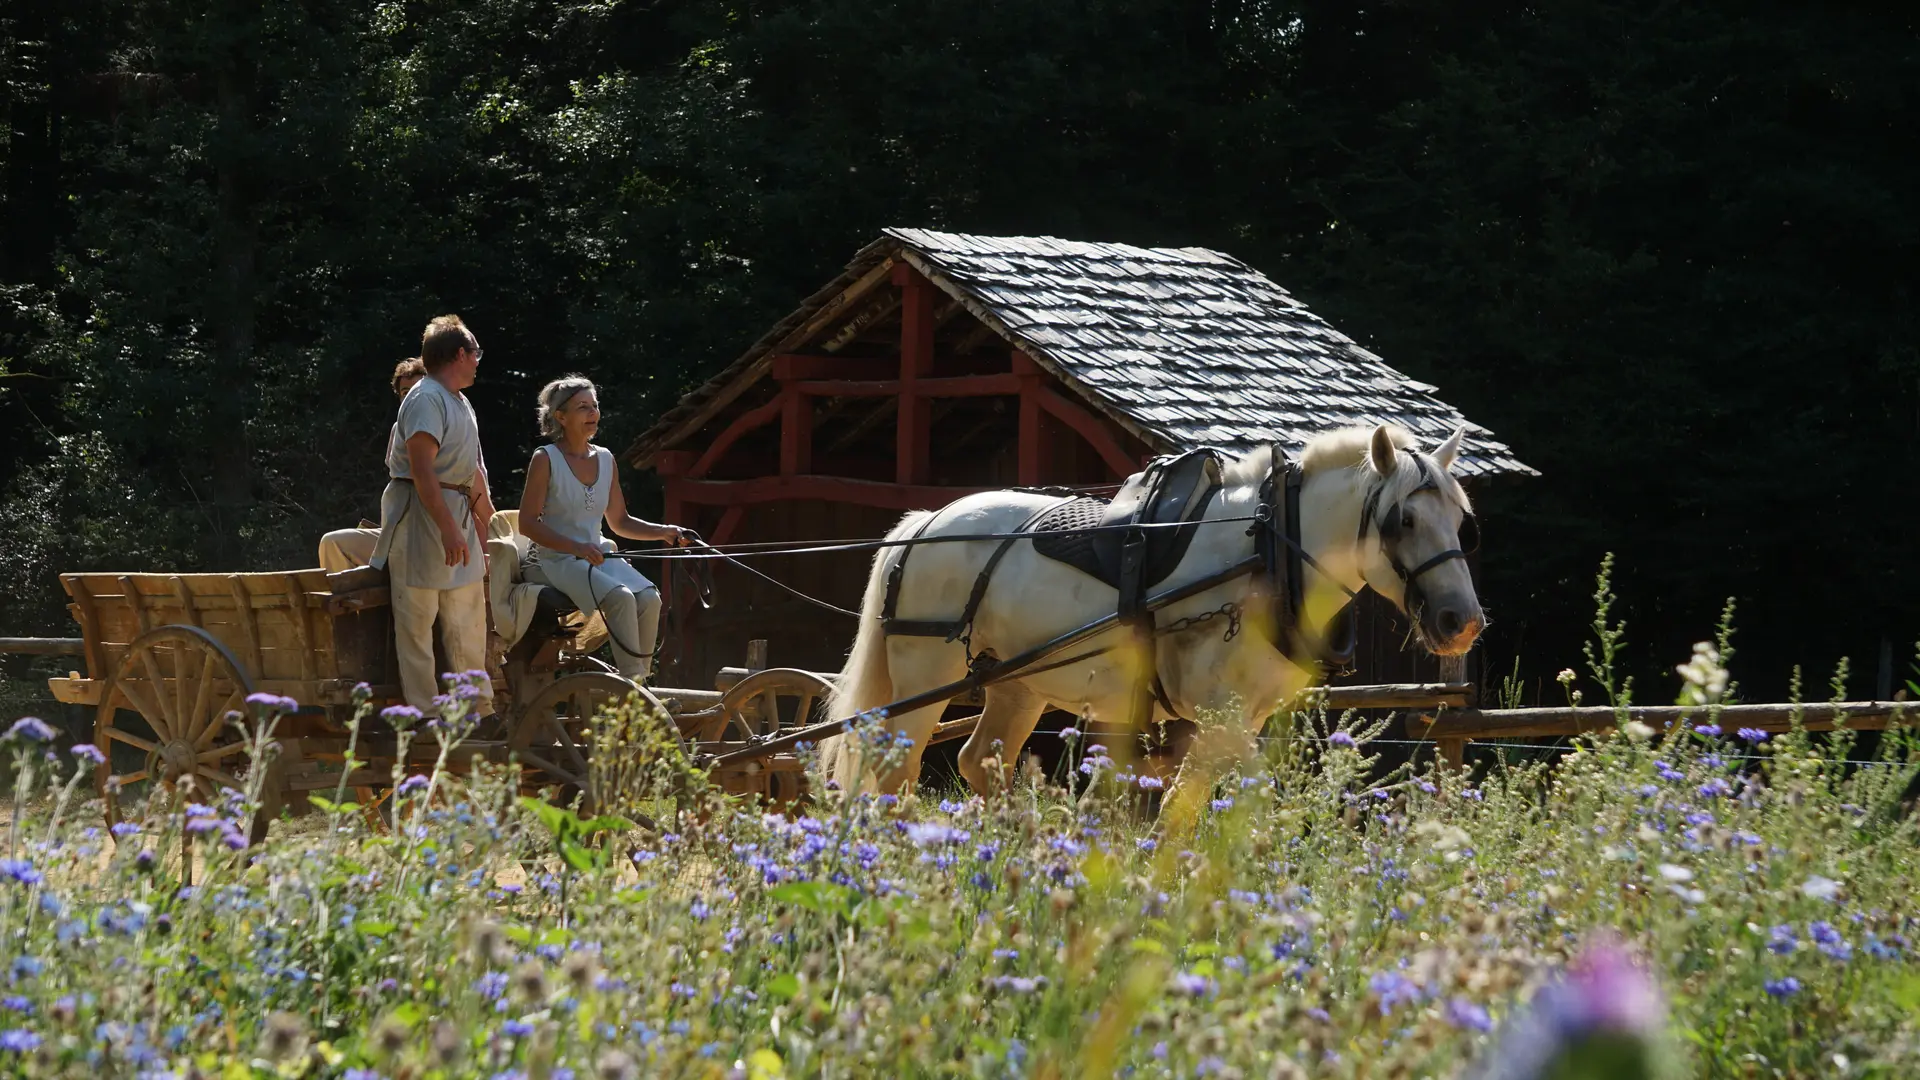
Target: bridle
[(1276, 531), (1388, 527)]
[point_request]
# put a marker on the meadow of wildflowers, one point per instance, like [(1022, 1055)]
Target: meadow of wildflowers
[(1705, 904)]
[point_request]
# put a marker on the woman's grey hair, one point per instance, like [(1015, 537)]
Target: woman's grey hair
[(554, 397)]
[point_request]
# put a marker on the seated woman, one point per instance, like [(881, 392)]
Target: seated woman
[(571, 487)]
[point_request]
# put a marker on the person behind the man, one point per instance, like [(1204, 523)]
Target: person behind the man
[(344, 549), (429, 520)]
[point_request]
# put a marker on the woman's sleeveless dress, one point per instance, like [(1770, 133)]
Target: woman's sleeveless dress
[(624, 597)]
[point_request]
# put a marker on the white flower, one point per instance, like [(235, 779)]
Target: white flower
[(1676, 874), (1820, 888)]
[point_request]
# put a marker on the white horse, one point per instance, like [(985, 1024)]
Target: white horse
[(1413, 512)]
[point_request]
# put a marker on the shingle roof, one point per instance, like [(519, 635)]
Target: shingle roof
[(1185, 346), (1196, 347)]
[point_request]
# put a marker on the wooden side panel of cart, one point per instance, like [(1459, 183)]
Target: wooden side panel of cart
[(304, 634)]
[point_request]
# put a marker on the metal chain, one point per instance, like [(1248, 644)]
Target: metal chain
[(1231, 609)]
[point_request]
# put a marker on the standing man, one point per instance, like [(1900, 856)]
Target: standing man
[(430, 519), (344, 549)]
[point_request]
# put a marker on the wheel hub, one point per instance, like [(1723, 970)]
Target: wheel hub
[(178, 759)]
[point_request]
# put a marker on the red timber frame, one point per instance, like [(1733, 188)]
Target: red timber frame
[(802, 379)]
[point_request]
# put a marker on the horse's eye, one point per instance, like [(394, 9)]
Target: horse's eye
[(1406, 519)]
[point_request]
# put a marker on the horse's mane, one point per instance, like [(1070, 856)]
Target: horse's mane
[(1347, 448)]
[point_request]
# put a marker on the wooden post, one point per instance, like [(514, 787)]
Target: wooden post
[(756, 655), (796, 433), (1032, 453), (672, 466), (913, 439), (1453, 751)]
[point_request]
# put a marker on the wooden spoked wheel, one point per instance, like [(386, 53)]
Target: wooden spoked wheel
[(764, 704), (769, 702), (551, 732), (182, 683)]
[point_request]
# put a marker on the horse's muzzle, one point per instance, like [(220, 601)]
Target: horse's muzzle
[(1451, 631)]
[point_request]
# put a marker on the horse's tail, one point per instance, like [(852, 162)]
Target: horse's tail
[(865, 683)]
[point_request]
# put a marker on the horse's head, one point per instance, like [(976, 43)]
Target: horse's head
[(1416, 530)]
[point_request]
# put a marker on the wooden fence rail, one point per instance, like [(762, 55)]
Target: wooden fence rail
[(1452, 729)]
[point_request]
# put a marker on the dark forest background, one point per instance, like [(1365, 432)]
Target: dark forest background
[(1666, 250)]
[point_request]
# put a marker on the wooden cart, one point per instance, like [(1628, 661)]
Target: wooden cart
[(170, 656)]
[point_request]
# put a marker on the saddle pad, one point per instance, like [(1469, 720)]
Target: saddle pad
[(1058, 535)]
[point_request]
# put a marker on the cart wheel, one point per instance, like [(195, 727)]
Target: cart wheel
[(183, 683), (768, 702), (550, 733)]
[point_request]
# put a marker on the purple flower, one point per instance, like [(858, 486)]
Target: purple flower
[(1715, 788), (1467, 1016), (1151, 783), (88, 753), (1709, 730), (412, 784), (1782, 940), (1017, 984), (1146, 843), (31, 729), (1783, 988), (272, 703), (1829, 941), (19, 1040), (1394, 990), (518, 1029), (123, 829), (1668, 772), (1069, 733), (1222, 805), (1341, 738), (929, 833), (20, 870), (1192, 985), (400, 716), (1752, 735), (1603, 993)]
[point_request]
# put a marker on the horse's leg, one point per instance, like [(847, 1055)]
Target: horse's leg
[(917, 663), (1011, 712)]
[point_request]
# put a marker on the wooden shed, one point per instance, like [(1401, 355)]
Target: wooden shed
[(940, 364)]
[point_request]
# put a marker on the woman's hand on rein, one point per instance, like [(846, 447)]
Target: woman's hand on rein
[(683, 537), (592, 553)]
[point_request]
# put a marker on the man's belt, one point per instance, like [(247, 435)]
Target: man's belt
[(464, 489)]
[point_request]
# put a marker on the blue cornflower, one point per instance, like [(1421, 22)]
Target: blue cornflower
[(1222, 805), (518, 1029), (1668, 772), (1193, 985), (1341, 738), (1150, 783), (491, 985), (19, 1040), (1394, 989), (29, 729), (123, 829), (1709, 730), (1467, 1016), (88, 753), (928, 833), (16, 1003), (1715, 788), (1783, 988), (21, 870), (1752, 735), (412, 784), (1782, 941), (1146, 843)]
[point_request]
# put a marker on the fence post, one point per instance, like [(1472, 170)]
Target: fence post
[(1453, 751)]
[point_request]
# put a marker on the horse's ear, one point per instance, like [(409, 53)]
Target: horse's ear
[(1381, 453), (1449, 450)]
